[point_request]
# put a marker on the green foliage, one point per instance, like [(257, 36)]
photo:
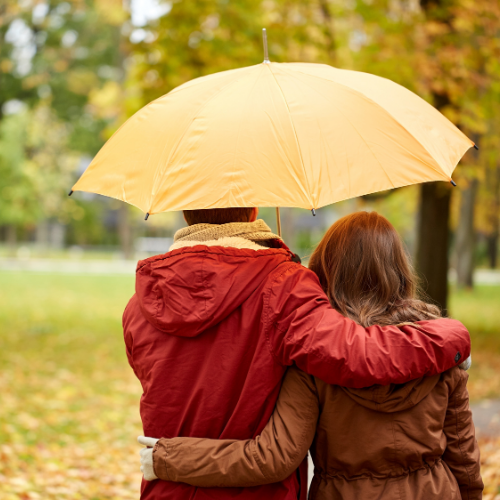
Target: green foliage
[(85, 68), (35, 167), (76, 49), (55, 57), (17, 204), (87, 226), (199, 38)]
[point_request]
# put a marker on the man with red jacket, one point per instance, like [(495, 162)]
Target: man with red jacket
[(216, 321)]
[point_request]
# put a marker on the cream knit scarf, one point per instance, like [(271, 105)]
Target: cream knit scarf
[(233, 234)]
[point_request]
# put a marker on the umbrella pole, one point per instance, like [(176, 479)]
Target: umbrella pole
[(264, 41), (278, 221)]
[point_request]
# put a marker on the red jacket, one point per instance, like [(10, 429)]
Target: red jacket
[(211, 330)]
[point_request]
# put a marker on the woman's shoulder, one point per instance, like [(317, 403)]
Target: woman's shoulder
[(453, 388), (454, 378)]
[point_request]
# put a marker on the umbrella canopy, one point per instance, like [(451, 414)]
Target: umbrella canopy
[(275, 134)]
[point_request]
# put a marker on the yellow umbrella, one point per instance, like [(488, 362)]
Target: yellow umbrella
[(275, 134)]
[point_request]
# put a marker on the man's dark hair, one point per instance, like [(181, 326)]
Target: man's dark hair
[(217, 215)]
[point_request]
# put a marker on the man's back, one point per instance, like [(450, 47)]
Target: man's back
[(195, 339)]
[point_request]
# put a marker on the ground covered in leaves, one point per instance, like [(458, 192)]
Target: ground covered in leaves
[(69, 412)]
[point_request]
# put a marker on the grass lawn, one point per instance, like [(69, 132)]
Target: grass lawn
[(69, 411), (479, 310)]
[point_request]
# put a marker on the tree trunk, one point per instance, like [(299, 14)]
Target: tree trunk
[(42, 234), (125, 232), (435, 199), (433, 241), (493, 237), (466, 236), (329, 31), (492, 248), (433, 233), (57, 235), (11, 234)]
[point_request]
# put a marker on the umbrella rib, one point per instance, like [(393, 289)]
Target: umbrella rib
[(233, 184), (432, 167), (109, 142), (161, 178), (295, 135), (362, 138)]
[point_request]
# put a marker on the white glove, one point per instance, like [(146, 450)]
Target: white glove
[(147, 457)]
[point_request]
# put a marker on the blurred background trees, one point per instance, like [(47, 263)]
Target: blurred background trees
[(72, 71)]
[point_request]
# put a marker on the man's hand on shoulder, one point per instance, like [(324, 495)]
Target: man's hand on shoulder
[(466, 364)]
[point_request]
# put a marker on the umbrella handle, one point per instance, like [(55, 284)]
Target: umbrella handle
[(278, 221)]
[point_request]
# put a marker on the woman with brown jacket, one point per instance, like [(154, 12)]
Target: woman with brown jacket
[(407, 442)]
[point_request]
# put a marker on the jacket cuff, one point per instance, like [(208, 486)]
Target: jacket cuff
[(160, 454)]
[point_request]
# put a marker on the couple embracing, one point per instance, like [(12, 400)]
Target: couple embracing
[(248, 360)]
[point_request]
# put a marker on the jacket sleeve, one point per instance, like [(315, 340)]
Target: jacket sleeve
[(462, 451), (269, 458), (303, 328)]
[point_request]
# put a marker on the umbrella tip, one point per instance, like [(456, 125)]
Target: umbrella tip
[(313, 212), (147, 215), (70, 193), (264, 41), (453, 183), (475, 147)]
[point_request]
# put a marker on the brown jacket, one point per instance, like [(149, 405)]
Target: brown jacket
[(408, 442)]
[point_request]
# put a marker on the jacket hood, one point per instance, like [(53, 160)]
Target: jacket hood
[(190, 289), (394, 397)]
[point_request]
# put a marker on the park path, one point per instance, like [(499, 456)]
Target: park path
[(486, 416), (122, 266), (70, 266)]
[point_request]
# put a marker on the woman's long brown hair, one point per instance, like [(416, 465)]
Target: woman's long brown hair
[(364, 270)]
